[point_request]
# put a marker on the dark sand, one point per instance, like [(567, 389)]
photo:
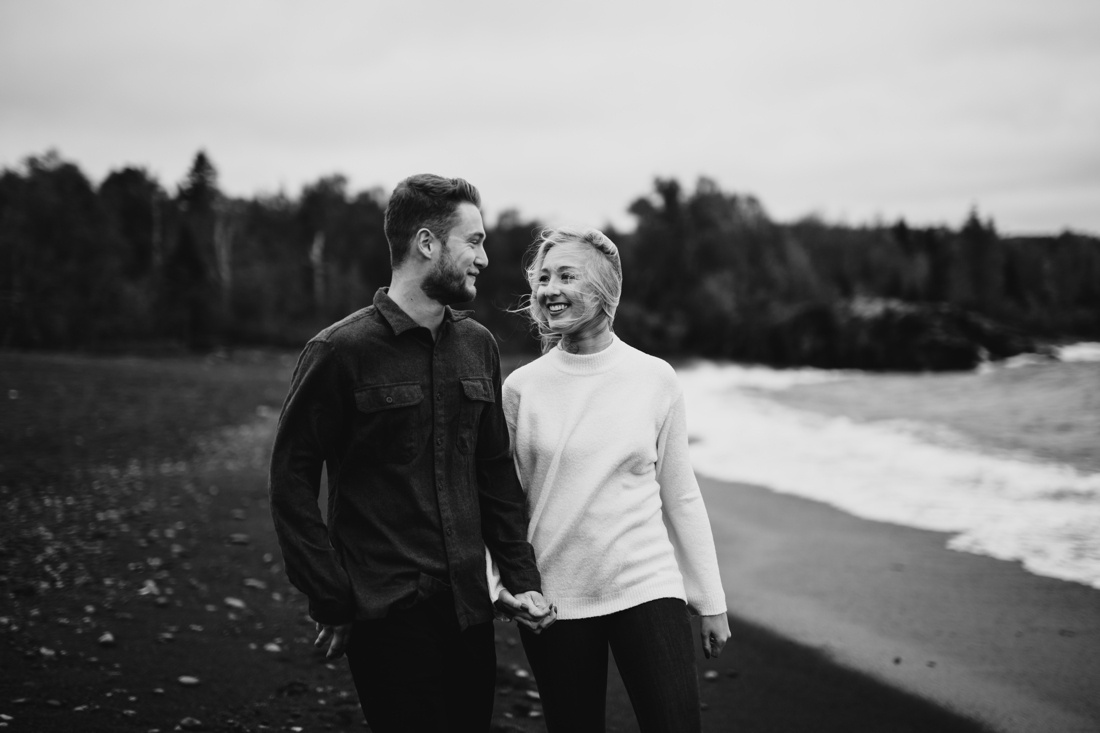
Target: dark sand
[(768, 684), (824, 603), (975, 635)]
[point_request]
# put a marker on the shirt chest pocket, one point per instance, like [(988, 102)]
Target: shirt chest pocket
[(477, 397), (388, 424)]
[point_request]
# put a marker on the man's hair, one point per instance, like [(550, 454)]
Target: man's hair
[(424, 201)]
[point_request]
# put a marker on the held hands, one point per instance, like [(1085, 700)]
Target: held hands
[(714, 632), (529, 609), (335, 636)]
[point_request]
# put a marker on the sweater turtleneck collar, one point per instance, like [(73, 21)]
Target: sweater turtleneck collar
[(582, 364)]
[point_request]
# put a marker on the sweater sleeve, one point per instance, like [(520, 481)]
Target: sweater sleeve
[(492, 576), (686, 517)]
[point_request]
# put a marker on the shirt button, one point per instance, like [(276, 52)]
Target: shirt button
[(439, 441), (389, 400), (450, 531)]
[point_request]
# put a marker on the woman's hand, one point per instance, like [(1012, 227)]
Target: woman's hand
[(714, 631), (529, 609)]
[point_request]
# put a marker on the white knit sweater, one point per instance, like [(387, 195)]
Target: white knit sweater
[(617, 519)]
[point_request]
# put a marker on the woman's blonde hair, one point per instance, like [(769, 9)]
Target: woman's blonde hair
[(605, 273)]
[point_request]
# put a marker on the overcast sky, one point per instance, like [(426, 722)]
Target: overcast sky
[(852, 109)]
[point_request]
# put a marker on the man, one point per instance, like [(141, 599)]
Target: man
[(401, 402)]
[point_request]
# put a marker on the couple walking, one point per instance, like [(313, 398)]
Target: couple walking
[(564, 498)]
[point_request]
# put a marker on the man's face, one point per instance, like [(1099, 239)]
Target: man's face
[(461, 258)]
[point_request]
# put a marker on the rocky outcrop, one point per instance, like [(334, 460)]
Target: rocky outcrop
[(881, 334)]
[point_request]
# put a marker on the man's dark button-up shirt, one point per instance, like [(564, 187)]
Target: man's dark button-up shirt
[(420, 479)]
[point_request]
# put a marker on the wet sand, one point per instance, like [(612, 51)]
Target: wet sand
[(973, 635)]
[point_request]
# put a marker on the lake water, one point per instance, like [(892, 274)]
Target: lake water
[(1044, 515)]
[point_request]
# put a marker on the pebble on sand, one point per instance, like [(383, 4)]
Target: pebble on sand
[(107, 639), (188, 681)]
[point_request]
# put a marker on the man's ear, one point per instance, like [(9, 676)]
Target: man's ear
[(425, 242)]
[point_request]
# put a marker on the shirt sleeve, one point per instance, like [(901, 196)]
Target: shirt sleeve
[(309, 429), (686, 517), (503, 503)]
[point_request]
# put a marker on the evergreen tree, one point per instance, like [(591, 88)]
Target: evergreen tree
[(60, 262), (194, 285)]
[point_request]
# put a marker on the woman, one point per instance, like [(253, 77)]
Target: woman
[(618, 525)]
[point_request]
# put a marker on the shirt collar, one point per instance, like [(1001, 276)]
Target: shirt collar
[(399, 320)]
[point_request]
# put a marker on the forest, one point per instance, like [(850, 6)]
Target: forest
[(131, 266)]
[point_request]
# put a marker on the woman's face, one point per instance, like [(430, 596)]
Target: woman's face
[(563, 289)]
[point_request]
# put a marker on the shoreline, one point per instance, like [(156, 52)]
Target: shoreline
[(978, 636), (1004, 461), (820, 600)]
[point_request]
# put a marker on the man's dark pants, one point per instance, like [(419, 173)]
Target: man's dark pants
[(415, 670)]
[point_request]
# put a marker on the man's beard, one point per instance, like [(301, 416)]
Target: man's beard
[(445, 284)]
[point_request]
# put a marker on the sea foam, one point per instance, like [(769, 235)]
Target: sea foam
[(1084, 351), (1046, 516)]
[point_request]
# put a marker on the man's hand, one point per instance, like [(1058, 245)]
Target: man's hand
[(714, 632), (528, 608), (335, 636)]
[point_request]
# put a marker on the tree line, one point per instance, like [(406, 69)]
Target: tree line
[(131, 265)]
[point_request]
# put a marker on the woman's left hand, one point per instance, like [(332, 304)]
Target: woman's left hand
[(714, 631)]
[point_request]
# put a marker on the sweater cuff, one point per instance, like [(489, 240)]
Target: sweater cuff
[(708, 605), (492, 576)]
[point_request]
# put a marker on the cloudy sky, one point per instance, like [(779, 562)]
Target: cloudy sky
[(855, 110)]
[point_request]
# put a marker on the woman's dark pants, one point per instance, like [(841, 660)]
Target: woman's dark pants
[(653, 649)]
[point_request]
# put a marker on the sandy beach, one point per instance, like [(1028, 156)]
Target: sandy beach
[(977, 636), (138, 552)]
